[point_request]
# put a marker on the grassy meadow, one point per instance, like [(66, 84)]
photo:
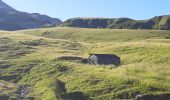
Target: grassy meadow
[(28, 57)]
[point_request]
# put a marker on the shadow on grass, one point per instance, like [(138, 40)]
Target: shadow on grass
[(77, 96)]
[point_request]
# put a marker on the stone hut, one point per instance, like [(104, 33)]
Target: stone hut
[(104, 59)]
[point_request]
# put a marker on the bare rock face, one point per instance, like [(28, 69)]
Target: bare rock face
[(11, 19), (153, 97)]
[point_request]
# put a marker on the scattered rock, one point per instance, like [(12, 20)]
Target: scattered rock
[(153, 97)]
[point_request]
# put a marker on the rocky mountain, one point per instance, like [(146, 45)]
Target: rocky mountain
[(159, 22), (12, 19)]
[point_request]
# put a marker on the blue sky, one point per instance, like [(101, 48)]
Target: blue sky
[(64, 9)]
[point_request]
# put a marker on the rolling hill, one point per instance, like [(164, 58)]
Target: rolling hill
[(31, 67), (12, 19), (29, 58), (156, 23)]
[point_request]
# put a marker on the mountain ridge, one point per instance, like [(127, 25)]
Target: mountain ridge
[(156, 23), (12, 19), (5, 6)]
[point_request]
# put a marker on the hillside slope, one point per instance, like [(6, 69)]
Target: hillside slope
[(158, 23), (29, 58), (11, 19)]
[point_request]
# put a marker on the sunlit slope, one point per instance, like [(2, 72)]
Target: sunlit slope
[(29, 57), (98, 35)]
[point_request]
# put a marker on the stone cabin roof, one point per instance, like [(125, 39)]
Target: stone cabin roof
[(105, 55)]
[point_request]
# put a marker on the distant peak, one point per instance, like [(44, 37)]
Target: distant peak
[(3, 5)]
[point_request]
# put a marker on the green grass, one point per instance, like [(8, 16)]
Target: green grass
[(97, 35), (144, 53), (7, 88)]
